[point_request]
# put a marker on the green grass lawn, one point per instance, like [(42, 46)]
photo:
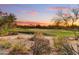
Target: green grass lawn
[(48, 32)]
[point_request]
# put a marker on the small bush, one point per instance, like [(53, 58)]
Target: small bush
[(4, 31), (64, 48), (19, 49), (67, 50), (41, 45), (4, 44)]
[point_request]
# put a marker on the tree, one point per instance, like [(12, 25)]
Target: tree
[(72, 14), (57, 23), (63, 17), (38, 26), (7, 21), (74, 18), (75, 15), (11, 20)]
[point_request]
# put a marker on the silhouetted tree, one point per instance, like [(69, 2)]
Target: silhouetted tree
[(38, 26), (71, 15)]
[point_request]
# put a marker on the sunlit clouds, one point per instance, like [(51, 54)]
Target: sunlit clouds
[(37, 12), (58, 8), (32, 13)]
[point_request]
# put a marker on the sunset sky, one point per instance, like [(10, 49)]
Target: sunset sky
[(34, 12)]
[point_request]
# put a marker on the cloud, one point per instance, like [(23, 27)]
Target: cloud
[(32, 13), (25, 9), (28, 12), (21, 11), (66, 14), (58, 8)]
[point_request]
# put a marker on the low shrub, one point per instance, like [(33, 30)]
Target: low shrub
[(19, 49), (4, 44), (64, 48), (41, 45)]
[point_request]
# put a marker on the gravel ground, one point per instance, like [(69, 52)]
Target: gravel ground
[(25, 38)]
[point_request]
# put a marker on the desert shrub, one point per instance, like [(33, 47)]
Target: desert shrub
[(37, 35), (6, 22), (41, 45), (67, 50), (19, 37), (4, 30), (4, 44), (63, 47), (19, 49), (13, 31)]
